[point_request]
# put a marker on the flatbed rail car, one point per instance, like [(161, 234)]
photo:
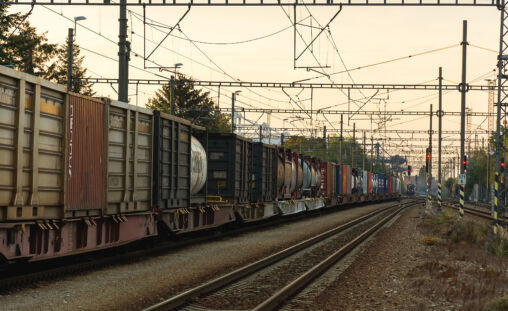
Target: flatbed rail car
[(79, 174), (74, 171)]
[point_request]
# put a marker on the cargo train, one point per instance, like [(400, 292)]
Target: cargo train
[(79, 174)]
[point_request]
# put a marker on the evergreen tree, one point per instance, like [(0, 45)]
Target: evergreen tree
[(23, 48), (7, 24), (58, 72), (191, 104)]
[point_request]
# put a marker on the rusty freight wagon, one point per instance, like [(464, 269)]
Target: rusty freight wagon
[(75, 172)]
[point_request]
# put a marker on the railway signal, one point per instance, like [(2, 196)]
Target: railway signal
[(464, 163), (501, 165), (409, 168)]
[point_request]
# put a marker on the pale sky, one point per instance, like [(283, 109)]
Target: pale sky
[(363, 35)]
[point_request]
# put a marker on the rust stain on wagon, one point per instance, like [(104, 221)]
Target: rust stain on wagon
[(85, 153)]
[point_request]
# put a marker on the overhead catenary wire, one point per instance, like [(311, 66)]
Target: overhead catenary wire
[(162, 25), (135, 54)]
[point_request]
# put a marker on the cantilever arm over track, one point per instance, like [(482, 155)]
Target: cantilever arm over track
[(290, 85), (449, 3)]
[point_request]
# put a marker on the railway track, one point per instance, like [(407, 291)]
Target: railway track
[(267, 283), (19, 275), (469, 210)]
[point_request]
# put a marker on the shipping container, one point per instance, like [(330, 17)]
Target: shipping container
[(84, 195), (338, 179), (357, 181), (32, 146), (230, 167), (129, 158), (365, 186), (264, 169), (327, 179), (179, 162), (374, 183), (369, 180), (390, 182)]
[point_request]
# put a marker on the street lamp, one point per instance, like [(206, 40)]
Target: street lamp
[(233, 97), (70, 51), (172, 86), (77, 19)]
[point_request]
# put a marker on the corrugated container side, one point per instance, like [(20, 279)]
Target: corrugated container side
[(369, 182), (230, 167), (344, 179), (338, 179), (171, 161), (332, 179), (263, 163), (85, 155), (364, 182), (129, 161), (349, 179), (32, 146), (324, 189)]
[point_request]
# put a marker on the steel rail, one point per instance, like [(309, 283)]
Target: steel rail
[(471, 211), (294, 287), (181, 299)]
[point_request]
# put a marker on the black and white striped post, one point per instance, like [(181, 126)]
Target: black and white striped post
[(461, 196), (440, 117), (463, 87), (496, 203)]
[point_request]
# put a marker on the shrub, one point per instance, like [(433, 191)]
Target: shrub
[(429, 241), (498, 304)]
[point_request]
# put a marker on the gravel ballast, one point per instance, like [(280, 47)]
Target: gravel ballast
[(396, 270), (137, 285)]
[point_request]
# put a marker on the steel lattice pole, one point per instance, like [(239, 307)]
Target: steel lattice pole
[(501, 96)]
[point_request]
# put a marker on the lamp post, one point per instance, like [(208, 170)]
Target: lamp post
[(70, 52), (233, 97)]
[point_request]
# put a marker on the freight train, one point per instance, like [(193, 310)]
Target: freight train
[(80, 174)]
